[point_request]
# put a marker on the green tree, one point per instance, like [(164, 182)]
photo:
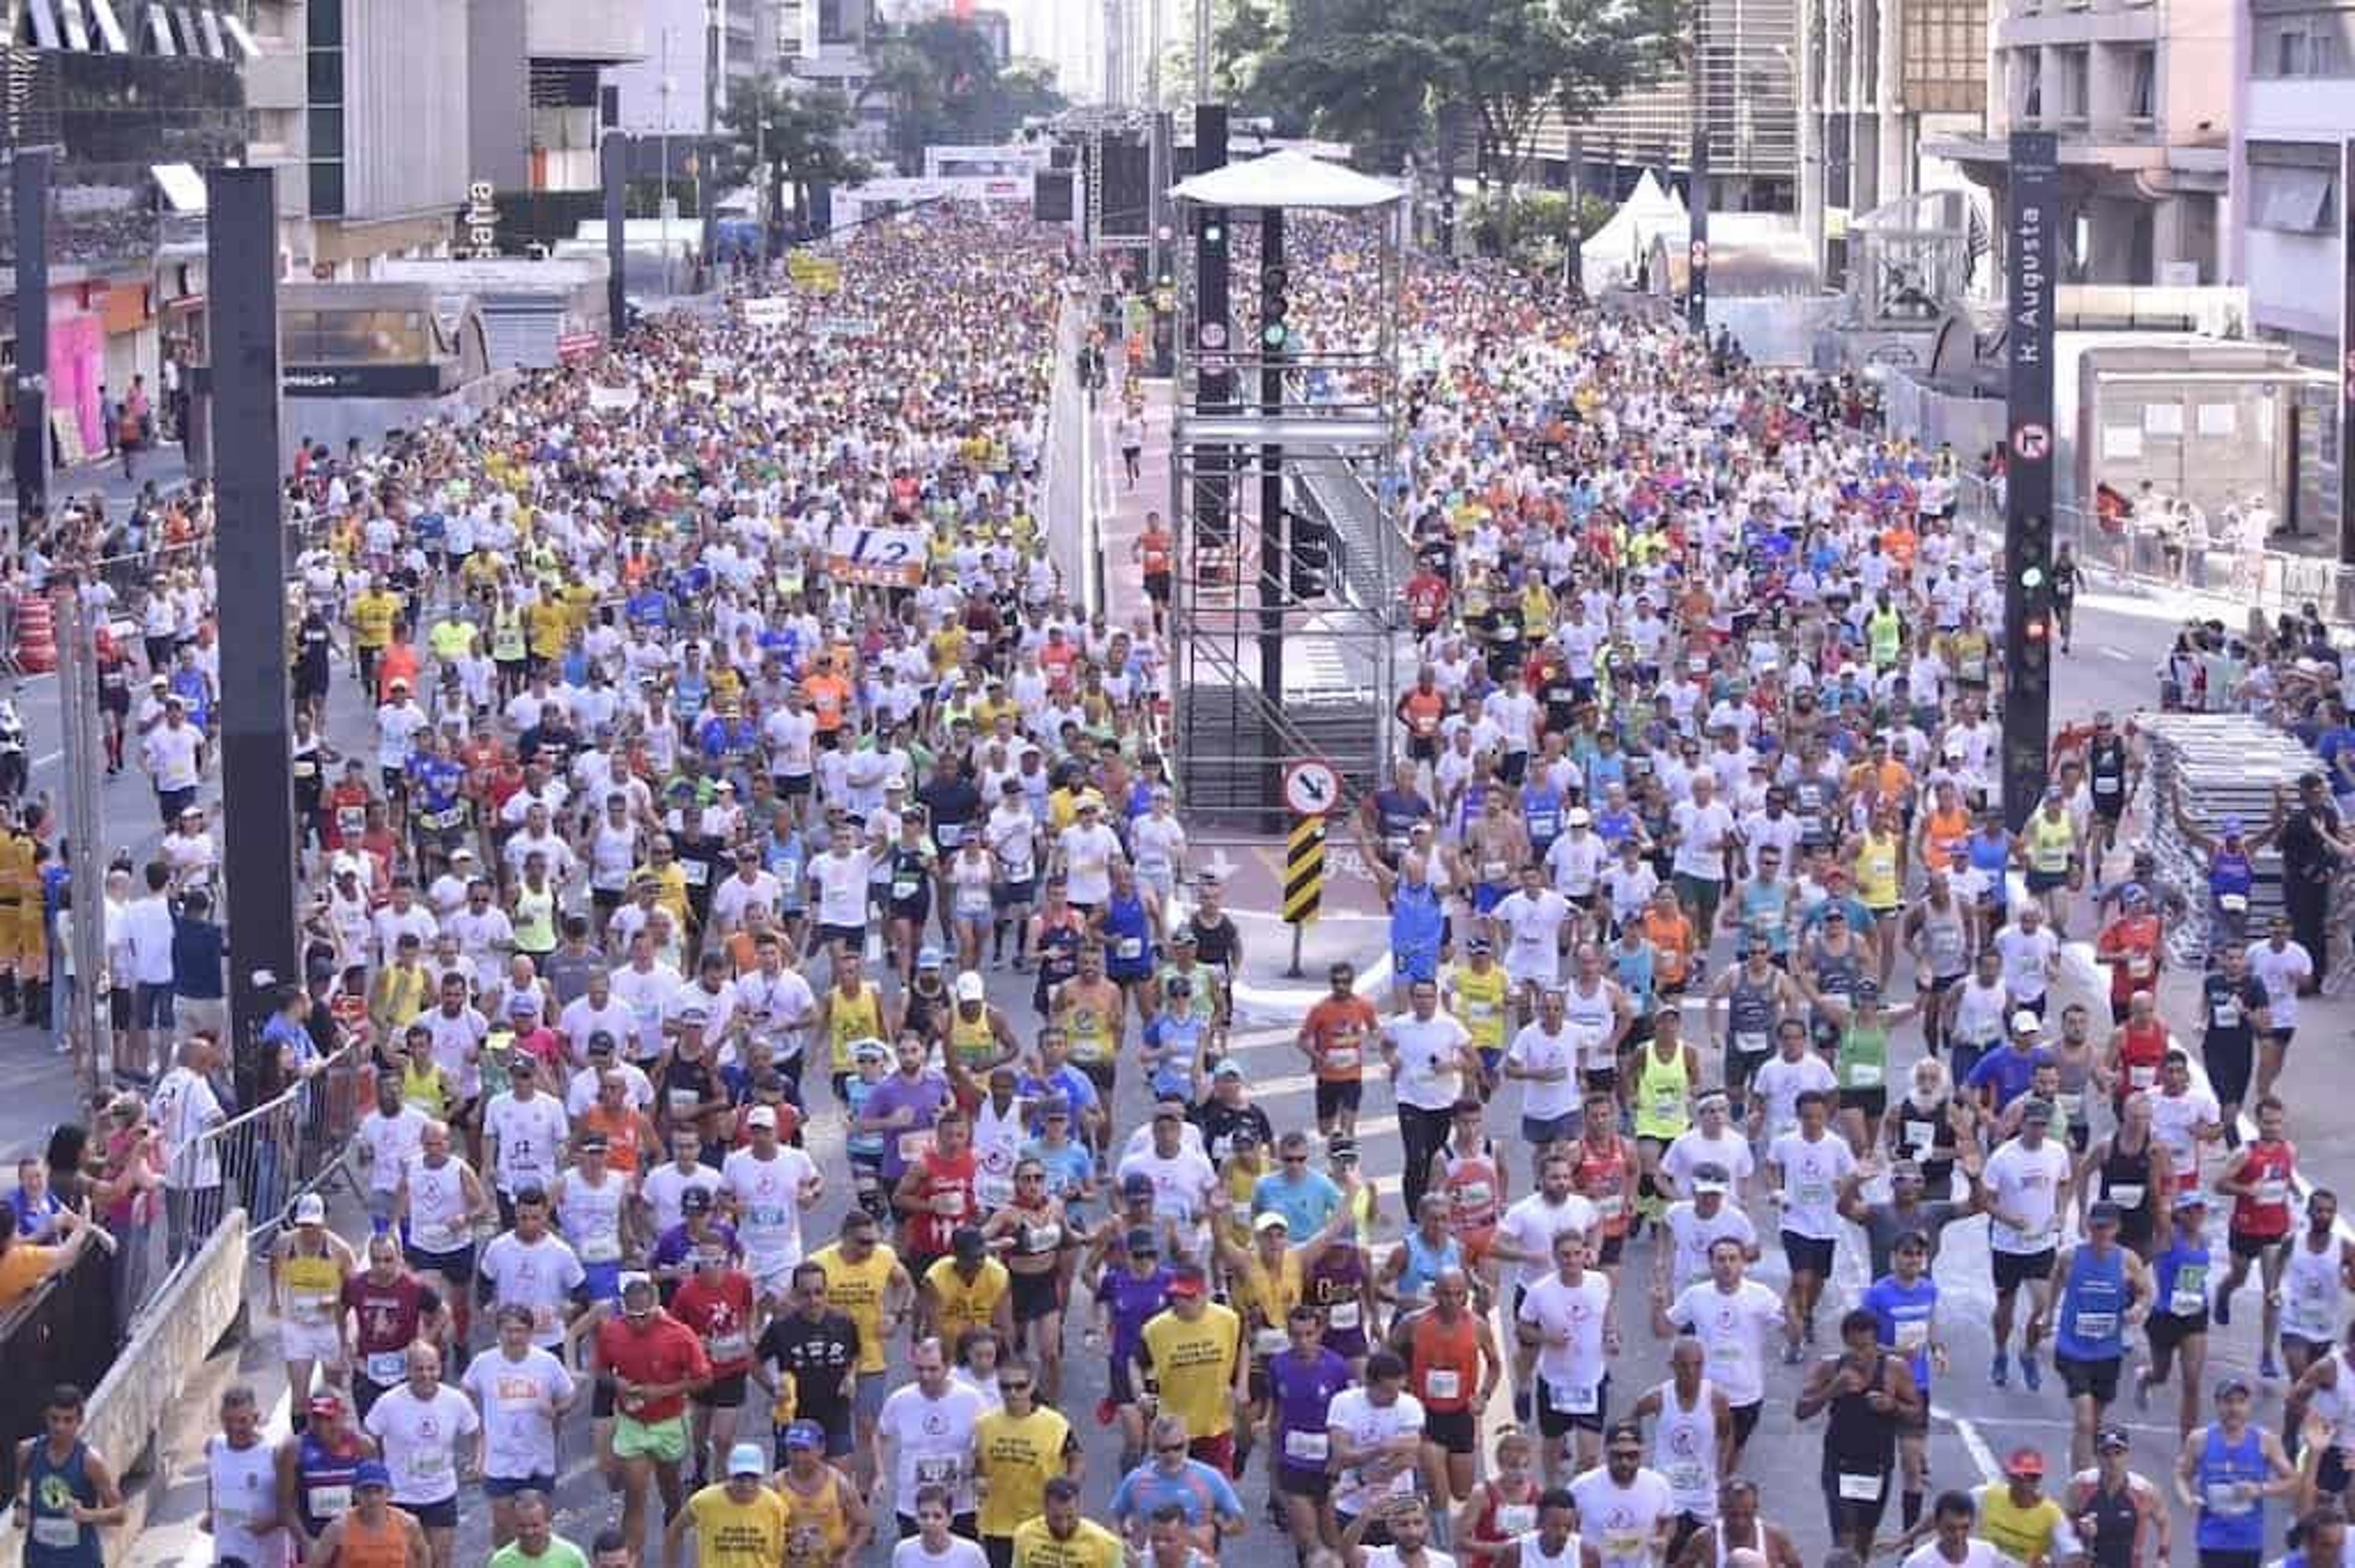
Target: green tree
[(1364, 64), (793, 138), (1378, 68), (943, 83)]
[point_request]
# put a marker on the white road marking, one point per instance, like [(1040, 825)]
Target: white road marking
[(2118, 654)]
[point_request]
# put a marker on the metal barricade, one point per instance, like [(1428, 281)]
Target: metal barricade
[(265, 1158), (2134, 557)]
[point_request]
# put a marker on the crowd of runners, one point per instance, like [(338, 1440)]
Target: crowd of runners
[(729, 737)]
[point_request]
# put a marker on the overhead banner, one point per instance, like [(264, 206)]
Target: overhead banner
[(769, 310)]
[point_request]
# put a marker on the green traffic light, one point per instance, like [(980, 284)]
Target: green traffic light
[(2033, 577)]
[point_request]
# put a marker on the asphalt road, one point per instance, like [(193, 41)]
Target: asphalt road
[(2119, 640)]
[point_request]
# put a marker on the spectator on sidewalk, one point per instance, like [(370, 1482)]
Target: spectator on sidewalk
[(186, 1109), (130, 1177), (23, 1265), (199, 986), (41, 1215), (148, 932)]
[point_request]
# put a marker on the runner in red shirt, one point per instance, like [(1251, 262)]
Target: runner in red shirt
[(393, 1310), (936, 1193), (1603, 1171), (2258, 1180), (656, 1361), (2130, 947), (1426, 600), (2137, 1047), (715, 1302)]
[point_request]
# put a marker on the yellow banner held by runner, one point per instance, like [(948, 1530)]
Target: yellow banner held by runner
[(819, 274)]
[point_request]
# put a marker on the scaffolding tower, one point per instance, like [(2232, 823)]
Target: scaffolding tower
[(1287, 612)]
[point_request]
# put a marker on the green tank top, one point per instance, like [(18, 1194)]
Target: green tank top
[(1662, 1090), (1864, 1057)]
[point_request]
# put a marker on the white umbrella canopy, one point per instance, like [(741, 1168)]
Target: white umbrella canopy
[(1287, 179)]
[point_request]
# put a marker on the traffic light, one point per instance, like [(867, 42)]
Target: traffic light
[(2031, 565), (1275, 331), (1310, 557)]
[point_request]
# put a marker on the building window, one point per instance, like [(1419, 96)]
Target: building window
[(2292, 199), (2071, 89), (2306, 47), (2142, 83), (2031, 85)]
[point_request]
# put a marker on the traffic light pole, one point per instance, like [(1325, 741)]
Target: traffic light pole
[(30, 175), (2035, 180), (257, 777), (1274, 564)]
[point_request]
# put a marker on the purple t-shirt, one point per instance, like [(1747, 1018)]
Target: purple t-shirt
[(1304, 1394), (924, 1095), (1135, 1301)]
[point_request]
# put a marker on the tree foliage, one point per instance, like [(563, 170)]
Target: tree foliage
[(1378, 70), (943, 84), (798, 134)]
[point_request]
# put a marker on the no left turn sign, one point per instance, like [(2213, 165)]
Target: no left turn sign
[(2033, 442)]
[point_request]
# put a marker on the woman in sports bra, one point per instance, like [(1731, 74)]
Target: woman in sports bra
[(1502, 1509)]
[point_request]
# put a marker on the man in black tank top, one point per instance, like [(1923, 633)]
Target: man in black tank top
[(1867, 1391)]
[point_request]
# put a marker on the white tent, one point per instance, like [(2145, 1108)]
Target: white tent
[(1615, 253), (1286, 178)]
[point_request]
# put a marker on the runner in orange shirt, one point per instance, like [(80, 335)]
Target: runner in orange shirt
[(1670, 932), (1333, 1036)]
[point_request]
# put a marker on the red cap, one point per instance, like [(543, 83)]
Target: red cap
[(2025, 1462), (328, 1404), (1187, 1286)]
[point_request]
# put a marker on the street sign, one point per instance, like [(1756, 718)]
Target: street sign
[(1303, 874), (1311, 788), (2033, 442)]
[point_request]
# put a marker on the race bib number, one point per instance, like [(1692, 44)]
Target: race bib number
[(330, 1502), (2142, 1075), (1921, 1134), (2126, 1196), (2273, 1192), (600, 1250), (683, 1102), (1575, 1398), (1514, 1519), (937, 1472), (1342, 1315), (2097, 1324), (1342, 1059), (1131, 947), (1864, 1075), (2189, 1297), (1269, 1341), (2233, 903), (732, 1347), (1308, 1448), (1444, 1383), (386, 1368), (1859, 1488), (60, 1534), (913, 1145), (1913, 1334)]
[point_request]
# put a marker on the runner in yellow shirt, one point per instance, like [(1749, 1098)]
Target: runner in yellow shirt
[(740, 1523), (1018, 1450), (1060, 1538)]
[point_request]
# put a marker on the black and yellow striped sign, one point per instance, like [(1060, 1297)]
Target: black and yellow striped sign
[(1304, 871)]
